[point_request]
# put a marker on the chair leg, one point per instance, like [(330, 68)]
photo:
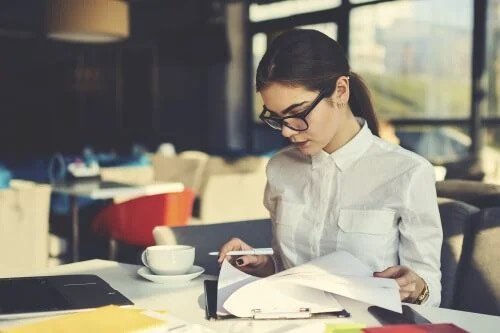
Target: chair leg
[(113, 249)]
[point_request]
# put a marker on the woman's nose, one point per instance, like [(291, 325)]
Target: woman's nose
[(287, 131)]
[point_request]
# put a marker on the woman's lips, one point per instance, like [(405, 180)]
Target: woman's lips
[(301, 143)]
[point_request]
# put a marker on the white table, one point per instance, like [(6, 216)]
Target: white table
[(187, 303), (105, 190)]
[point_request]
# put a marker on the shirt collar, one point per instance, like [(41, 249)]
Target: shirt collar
[(348, 153)]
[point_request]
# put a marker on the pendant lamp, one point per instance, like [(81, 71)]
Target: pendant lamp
[(87, 21)]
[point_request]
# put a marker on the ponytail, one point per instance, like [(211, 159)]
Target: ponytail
[(361, 103)]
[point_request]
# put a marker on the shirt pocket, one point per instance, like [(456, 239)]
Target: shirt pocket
[(369, 235)]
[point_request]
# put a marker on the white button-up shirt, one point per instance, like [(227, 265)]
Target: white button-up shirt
[(371, 198)]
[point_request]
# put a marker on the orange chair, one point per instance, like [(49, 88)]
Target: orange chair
[(132, 222)]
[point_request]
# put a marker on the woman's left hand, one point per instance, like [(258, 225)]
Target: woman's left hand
[(410, 284)]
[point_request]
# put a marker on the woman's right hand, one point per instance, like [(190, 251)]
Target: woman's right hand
[(255, 265)]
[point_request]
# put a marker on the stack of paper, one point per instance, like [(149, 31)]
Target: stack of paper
[(109, 319), (309, 286)]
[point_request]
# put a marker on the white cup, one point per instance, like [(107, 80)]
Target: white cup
[(168, 259)]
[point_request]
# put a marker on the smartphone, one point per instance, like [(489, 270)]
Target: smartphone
[(388, 317)]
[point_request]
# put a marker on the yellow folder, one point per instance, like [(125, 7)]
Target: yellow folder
[(344, 328), (109, 319)]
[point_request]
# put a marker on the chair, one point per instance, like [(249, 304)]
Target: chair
[(132, 222), (233, 197), (478, 285), (217, 183), (456, 219), (187, 170), (24, 227), (209, 237), (467, 168), (475, 193), (222, 198)]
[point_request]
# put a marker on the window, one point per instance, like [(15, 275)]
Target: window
[(287, 8), (490, 153), (259, 45), (359, 1), (437, 144), (329, 29), (493, 58), (415, 56)]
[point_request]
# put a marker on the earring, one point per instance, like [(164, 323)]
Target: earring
[(341, 105)]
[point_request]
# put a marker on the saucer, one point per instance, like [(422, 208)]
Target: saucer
[(146, 273)]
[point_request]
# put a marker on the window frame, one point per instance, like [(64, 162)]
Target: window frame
[(341, 16)]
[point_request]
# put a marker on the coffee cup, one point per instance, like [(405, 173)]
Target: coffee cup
[(168, 259)]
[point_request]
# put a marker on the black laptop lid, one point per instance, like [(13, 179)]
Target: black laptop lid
[(56, 293)]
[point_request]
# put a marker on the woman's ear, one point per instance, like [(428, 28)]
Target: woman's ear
[(342, 89)]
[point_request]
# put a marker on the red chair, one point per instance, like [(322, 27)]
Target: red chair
[(132, 222)]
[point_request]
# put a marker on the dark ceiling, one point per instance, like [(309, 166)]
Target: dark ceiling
[(21, 18), (25, 18)]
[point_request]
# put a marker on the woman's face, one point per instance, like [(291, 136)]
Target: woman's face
[(324, 120)]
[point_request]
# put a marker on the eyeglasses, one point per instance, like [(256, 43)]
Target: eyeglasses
[(296, 122)]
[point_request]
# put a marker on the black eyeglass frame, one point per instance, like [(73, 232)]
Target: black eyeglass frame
[(301, 115)]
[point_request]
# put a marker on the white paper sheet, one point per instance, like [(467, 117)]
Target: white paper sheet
[(367, 290), (339, 263), (230, 280), (306, 286)]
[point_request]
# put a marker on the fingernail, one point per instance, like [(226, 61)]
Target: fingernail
[(239, 262)]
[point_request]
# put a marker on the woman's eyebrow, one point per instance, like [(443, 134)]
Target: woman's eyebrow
[(288, 109)]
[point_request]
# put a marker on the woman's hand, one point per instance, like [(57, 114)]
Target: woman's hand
[(410, 284), (255, 265)]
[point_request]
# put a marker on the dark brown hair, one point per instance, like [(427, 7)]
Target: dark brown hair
[(311, 59)]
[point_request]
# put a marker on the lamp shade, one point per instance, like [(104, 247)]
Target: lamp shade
[(91, 21)]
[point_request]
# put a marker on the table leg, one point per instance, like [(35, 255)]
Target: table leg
[(74, 221)]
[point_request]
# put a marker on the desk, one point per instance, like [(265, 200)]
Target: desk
[(105, 190), (187, 303)]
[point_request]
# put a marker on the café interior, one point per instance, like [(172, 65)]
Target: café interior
[(126, 124)]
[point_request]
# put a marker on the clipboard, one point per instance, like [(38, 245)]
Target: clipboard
[(210, 287)]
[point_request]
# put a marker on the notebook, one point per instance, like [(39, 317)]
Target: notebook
[(301, 291), (42, 295), (108, 319)]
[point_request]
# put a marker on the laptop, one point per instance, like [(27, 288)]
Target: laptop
[(22, 297)]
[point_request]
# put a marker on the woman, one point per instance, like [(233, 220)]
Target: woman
[(339, 186)]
